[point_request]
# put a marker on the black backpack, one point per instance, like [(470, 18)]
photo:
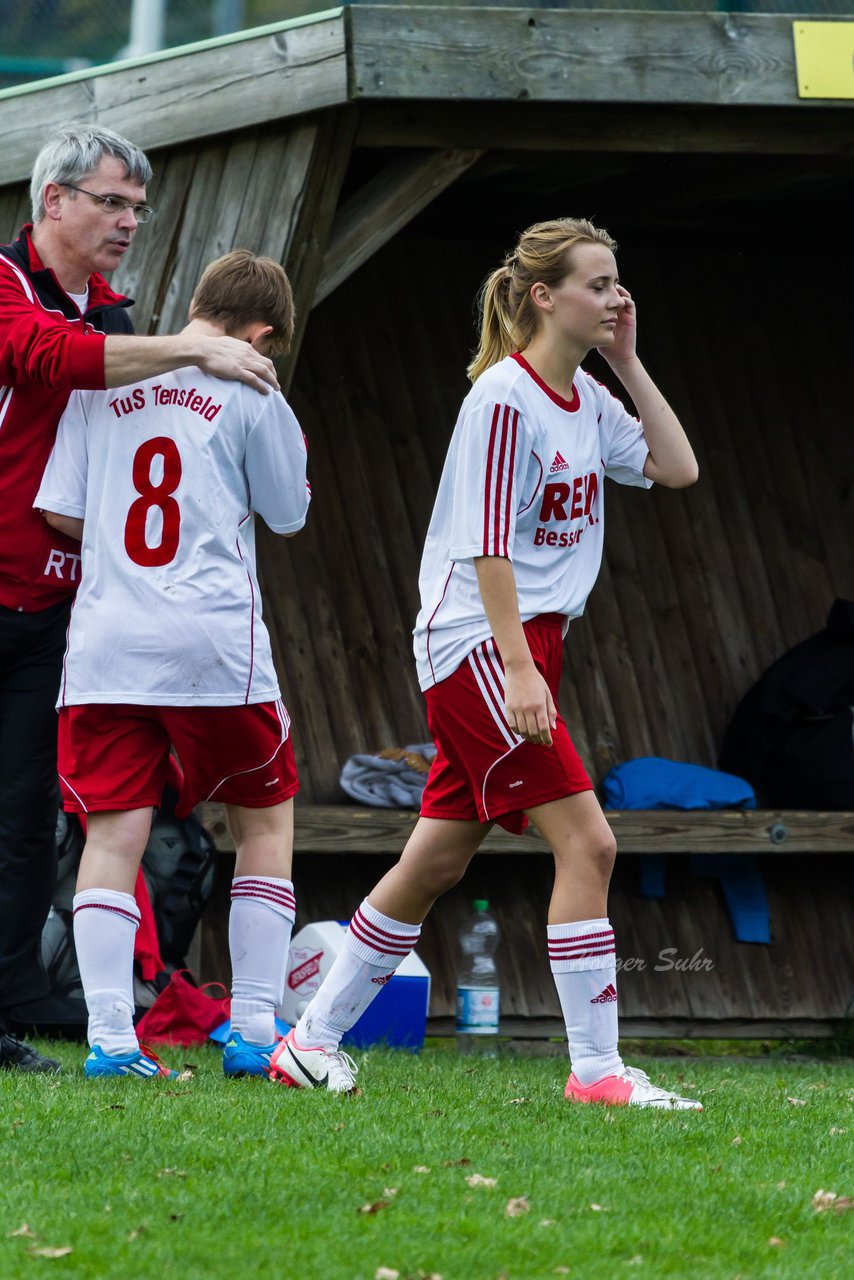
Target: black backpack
[(178, 866), (792, 735)]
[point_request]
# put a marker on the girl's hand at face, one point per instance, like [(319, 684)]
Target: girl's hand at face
[(625, 332), (530, 707)]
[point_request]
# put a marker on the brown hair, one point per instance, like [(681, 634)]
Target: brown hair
[(507, 316), (241, 288)]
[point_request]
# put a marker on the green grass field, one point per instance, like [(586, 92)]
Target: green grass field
[(446, 1166)]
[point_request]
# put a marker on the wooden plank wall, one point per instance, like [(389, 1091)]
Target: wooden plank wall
[(273, 189), (684, 972), (699, 591)]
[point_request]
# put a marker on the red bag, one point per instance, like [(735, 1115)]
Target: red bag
[(184, 1014)]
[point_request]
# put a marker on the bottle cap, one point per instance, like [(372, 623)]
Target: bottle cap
[(480, 904)]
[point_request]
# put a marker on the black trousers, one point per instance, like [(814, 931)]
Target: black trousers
[(31, 651)]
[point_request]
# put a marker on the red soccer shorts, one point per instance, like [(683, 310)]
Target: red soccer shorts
[(483, 770), (115, 757)]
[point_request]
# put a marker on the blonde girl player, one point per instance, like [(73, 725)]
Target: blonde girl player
[(512, 552), (167, 647)]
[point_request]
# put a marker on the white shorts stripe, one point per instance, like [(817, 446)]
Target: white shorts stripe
[(285, 722), (493, 694), (77, 797)]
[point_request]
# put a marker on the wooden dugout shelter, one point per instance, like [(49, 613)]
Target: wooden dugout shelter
[(389, 156)]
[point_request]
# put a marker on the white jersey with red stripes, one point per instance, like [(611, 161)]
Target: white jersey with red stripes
[(522, 480), (166, 475)]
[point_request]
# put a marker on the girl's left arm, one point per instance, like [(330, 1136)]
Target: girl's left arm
[(671, 460)]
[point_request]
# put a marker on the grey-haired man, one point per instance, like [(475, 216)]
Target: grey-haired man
[(61, 327)]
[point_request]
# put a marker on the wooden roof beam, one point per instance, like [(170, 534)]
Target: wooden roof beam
[(382, 207), (559, 55), (216, 86), (645, 128)]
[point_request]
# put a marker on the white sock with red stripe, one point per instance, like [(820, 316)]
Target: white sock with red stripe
[(584, 966), (374, 946), (259, 934), (105, 925)]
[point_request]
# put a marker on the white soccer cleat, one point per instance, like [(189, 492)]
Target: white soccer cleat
[(629, 1087), (312, 1067)]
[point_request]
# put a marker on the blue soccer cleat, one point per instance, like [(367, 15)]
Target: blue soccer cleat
[(240, 1058), (142, 1062)]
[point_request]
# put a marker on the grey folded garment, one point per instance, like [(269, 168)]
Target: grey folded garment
[(390, 779)]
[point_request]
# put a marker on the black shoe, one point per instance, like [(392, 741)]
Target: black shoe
[(16, 1055)]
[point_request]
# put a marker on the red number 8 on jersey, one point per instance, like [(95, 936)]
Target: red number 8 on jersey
[(154, 495)]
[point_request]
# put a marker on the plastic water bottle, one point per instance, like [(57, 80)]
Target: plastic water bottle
[(478, 993)]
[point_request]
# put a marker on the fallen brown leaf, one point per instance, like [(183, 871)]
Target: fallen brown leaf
[(386, 1273), (599, 1208), (375, 1207), (452, 1164), (24, 1230), (835, 1129), (172, 1173), (478, 1180), (516, 1207), (561, 1271), (736, 1142), (50, 1251), (420, 1168), (137, 1232), (389, 1192), (546, 1222), (775, 1241), (797, 1102), (517, 1102), (824, 1200)]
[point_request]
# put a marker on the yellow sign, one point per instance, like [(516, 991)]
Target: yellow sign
[(824, 54)]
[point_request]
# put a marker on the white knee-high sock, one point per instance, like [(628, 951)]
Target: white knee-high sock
[(374, 946), (105, 924), (259, 933), (583, 963)]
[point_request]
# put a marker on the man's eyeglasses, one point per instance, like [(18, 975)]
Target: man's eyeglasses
[(114, 204)]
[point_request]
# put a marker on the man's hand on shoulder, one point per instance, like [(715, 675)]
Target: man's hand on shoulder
[(235, 360)]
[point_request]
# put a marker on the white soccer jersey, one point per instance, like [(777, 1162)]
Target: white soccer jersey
[(166, 475), (523, 480)]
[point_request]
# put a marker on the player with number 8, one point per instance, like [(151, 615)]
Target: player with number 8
[(167, 649)]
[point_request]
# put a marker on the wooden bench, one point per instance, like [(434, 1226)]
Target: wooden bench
[(799, 985), (344, 828)]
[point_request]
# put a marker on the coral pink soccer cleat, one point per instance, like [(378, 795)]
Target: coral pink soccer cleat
[(630, 1087), (312, 1067)]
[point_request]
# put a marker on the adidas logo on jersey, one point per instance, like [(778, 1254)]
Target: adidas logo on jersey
[(606, 996), (560, 464)]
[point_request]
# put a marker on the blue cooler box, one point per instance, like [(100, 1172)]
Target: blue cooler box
[(396, 1017)]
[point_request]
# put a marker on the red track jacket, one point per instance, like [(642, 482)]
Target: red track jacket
[(47, 349)]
